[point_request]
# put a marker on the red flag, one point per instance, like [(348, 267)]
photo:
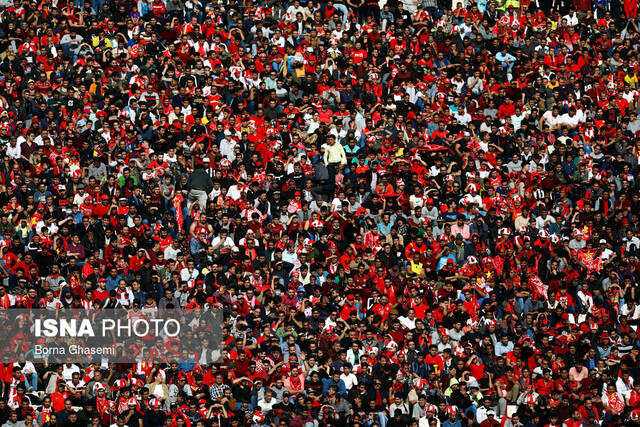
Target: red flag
[(433, 147), (589, 259), (177, 203), (536, 285)]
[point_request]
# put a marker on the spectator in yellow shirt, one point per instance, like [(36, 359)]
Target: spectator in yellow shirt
[(632, 79)]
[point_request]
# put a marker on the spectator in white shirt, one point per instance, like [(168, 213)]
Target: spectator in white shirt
[(409, 321), (42, 137), (571, 120), (266, 404), (463, 117), (189, 272), (350, 380), (355, 354), (475, 83), (13, 149), (624, 385), (222, 240), (171, 252), (630, 309), (517, 118), (552, 118), (68, 370), (544, 219)]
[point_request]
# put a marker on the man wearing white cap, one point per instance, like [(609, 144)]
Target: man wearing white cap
[(490, 421), (482, 413)]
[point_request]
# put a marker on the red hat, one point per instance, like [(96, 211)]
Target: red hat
[(258, 417), (421, 383), (193, 305), (119, 384), (361, 211)]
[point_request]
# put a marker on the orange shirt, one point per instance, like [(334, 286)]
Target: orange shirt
[(57, 400), (358, 55), (435, 360), (136, 263), (544, 388)]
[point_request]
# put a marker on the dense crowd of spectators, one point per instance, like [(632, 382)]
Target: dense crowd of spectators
[(411, 213)]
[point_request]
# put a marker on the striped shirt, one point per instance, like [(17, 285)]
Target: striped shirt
[(217, 390)]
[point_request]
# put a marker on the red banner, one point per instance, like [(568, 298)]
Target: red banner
[(589, 259), (536, 285)]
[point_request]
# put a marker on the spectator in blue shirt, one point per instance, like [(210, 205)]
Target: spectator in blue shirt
[(186, 363), (452, 421), (335, 381), (504, 346), (506, 59)]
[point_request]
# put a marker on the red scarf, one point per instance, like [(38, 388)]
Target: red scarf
[(615, 402), (295, 383), (101, 405)]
